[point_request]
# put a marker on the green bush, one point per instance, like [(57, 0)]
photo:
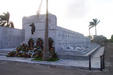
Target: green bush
[(40, 59)]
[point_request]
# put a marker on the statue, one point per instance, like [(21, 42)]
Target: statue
[(32, 28)]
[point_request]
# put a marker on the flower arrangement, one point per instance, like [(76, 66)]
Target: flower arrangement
[(30, 51)]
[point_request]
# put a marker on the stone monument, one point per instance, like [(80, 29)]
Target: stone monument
[(68, 44)]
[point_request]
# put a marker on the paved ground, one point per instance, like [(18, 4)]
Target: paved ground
[(17, 68)]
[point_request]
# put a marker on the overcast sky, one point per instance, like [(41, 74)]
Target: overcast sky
[(71, 14)]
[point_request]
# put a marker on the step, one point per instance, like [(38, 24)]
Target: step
[(72, 57), (2, 51), (3, 54), (77, 55)]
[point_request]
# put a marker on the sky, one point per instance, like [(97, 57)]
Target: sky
[(71, 14)]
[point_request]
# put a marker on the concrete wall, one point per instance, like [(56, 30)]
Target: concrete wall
[(66, 38), (10, 37), (39, 23)]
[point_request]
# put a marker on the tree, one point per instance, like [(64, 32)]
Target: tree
[(89, 31), (111, 39), (92, 24), (4, 20)]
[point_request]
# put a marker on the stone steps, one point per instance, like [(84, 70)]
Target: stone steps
[(77, 55), (4, 52), (72, 57)]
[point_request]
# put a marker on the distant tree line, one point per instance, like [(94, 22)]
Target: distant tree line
[(4, 20), (102, 40)]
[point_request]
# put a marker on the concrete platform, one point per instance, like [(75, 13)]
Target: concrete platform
[(66, 63)]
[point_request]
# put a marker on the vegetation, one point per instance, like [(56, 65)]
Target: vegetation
[(4, 20), (92, 24), (53, 59), (40, 59), (100, 39), (111, 39), (37, 59)]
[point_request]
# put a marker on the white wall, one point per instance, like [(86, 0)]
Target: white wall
[(67, 37), (10, 37)]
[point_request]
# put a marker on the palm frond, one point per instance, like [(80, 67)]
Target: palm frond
[(96, 21), (7, 16), (91, 27)]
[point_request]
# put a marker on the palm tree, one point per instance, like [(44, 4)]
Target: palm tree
[(92, 24), (4, 20), (89, 30)]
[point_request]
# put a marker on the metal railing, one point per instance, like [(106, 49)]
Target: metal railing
[(102, 62)]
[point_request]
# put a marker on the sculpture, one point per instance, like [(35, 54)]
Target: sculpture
[(32, 28)]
